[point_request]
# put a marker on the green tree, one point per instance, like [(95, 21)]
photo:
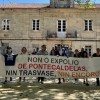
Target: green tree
[(85, 4)]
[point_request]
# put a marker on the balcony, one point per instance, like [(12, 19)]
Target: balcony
[(68, 35), (71, 35), (51, 35)]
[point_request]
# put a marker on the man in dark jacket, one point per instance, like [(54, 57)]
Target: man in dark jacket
[(84, 54), (97, 54), (81, 54)]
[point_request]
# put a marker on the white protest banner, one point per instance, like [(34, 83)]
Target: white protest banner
[(51, 66)]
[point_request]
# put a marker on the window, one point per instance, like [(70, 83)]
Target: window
[(6, 24), (61, 25), (36, 25), (88, 25), (88, 50)]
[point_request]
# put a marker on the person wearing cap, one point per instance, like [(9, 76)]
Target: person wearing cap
[(43, 51), (97, 54)]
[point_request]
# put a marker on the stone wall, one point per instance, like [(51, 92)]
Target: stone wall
[(22, 34)]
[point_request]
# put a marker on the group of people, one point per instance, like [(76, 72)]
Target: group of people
[(79, 54), (55, 51)]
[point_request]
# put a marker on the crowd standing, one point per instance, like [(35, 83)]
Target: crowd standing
[(55, 51)]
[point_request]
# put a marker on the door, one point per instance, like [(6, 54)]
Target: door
[(61, 28)]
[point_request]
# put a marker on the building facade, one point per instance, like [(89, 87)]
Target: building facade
[(32, 25)]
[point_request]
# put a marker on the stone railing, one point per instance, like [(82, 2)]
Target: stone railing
[(51, 34), (68, 35)]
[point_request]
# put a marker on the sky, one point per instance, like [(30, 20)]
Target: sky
[(32, 1)]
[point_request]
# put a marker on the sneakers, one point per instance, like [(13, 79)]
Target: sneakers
[(87, 84), (10, 78), (84, 82), (5, 82), (59, 82), (97, 84), (41, 82), (76, 83)]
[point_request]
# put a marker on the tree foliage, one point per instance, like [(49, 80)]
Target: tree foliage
[(85, 4)]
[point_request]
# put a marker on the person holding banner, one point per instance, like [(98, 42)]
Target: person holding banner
[(23, 52), (84, 54), (10, 59), (76, 54), (43, 51), (60, 52), (71, 53), (66, 52), (97, 54)]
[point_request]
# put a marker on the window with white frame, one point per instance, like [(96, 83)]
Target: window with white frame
[(88, 50), (61, 25), (88, 25), (36, 24), (6, 24)]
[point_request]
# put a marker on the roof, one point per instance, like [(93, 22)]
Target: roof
[(24, 6)]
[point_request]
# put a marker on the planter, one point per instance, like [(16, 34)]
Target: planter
[(53, 35)]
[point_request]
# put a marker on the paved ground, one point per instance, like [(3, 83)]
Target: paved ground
[(50, 90)]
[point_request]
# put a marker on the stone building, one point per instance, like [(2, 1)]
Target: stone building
[(61, 22)]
